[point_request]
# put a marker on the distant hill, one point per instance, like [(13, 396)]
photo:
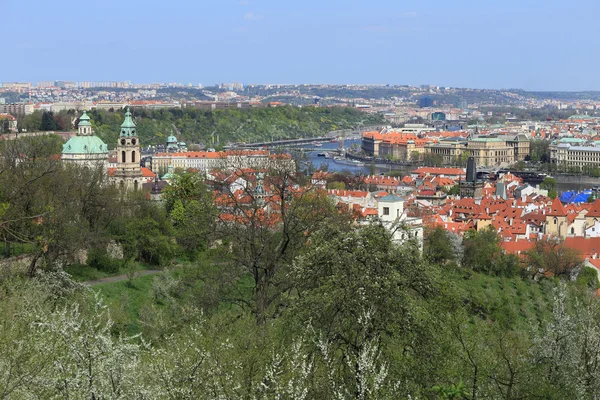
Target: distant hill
[(232, 125)]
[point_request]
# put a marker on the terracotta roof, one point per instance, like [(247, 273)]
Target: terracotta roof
[(516, 247), (595, 262), (587, 246), (439, 171), (147, 173), (594, 210), (557, 209), (347, 193)]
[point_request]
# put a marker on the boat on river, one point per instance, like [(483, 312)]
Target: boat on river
[(346, 161)]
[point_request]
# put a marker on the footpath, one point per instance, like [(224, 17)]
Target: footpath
[(118, 278)]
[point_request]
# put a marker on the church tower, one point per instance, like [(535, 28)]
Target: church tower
[(128, 173)]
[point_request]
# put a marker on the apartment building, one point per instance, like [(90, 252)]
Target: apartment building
[(567, 154), (206, 161), (398, 145)]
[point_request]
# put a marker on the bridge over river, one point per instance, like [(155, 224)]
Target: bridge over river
[(300, 141)]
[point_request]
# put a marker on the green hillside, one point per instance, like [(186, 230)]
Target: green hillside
[(232, 125)]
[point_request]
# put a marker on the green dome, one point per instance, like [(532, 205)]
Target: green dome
[(84, 120), (85, 145), (172, 139)]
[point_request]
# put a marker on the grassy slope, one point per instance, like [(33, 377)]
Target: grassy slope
[(125, 301), (513, 302)]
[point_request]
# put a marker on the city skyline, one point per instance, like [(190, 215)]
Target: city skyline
[(465, 44)]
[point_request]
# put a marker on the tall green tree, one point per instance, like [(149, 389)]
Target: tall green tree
[(482, 253), (192, 210), (357, 287)]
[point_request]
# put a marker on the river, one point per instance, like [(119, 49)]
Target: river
[(331, 165), (563, 182)]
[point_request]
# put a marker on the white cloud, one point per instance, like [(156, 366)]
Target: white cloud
[(409, 14), (243, 2), (251, 16)]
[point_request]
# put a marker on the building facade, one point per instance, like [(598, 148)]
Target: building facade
[(391, 213), (491, 151), (207, 161), (568, 155)]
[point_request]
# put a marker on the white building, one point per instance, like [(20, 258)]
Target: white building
[(206, 161), (390, 210)]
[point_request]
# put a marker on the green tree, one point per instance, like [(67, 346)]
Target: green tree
[(549, 184), (454, 190), (266, 233), (192, 210), (357, 286), (482, 253), (48, 122), (32, 122), (438, 246), (551, 254)]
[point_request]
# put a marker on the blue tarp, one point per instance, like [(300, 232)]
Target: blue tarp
[(575, 197)]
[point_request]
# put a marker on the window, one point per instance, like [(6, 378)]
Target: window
[(386, 211), (133, 156), (123, 156), (572, 231)]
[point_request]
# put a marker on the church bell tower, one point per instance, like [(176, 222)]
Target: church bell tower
[(128, 173)]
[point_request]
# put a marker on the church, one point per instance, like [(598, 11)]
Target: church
[(85, 149), (128, 173), (88, 150)]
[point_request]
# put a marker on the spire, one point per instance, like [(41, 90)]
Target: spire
[(156, 188), (128, 126)]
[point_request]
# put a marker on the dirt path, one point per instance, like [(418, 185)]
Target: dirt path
[(118, 278)]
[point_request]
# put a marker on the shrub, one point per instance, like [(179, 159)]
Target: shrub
[(98, 258), (588, 278)]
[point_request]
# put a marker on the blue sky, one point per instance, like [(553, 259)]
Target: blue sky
[(530, 44)]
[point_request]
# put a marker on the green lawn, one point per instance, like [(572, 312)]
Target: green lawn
[(125, 301)]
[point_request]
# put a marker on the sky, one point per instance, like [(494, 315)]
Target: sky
[(526, 44)]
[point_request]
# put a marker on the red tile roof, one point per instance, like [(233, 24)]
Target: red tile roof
[(557, 209), (587, 246), (594, 211), (439, 171), (517, 247)]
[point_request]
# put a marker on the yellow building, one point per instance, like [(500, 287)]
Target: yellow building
[(556, 220), (491, 151)]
